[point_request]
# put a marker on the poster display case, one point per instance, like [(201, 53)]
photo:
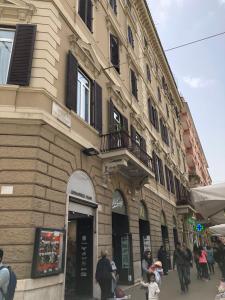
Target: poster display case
[(49, 249)]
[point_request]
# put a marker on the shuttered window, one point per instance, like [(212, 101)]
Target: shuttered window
[(169, 180), (130, 37), (114, 52), (164, 132), (86, 12), (148, 72), (134, 84), (22, 55), (159, 94), (153, 114), (158, 169), (83, 95), (113, 4)]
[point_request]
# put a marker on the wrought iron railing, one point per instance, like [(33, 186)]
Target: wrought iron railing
[(121, 140)]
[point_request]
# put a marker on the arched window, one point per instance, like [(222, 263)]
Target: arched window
[(130, 37), (143, 214), (163, 219), (118, 203)]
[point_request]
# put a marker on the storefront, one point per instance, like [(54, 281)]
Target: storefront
[(81, 237), (121, 239)]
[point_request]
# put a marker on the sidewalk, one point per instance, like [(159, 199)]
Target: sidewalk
[(170, 289)]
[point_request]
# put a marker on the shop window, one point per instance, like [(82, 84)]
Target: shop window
[(134, 89), (114, 52), (113, 4), (130, 37), (16, 53), (86, 12)]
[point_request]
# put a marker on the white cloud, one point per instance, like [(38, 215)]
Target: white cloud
[(221, 2), (163, 8), (197, 82)]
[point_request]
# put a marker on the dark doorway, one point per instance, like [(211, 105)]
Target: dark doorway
[(166, 244), (79, 268), (175, 236), (144, 231), (122, 248)]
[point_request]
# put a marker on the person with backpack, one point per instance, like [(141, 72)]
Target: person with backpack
[(104, 276), (7, 280)]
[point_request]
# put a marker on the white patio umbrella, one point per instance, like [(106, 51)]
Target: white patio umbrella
[(218, 230), (210, 202)]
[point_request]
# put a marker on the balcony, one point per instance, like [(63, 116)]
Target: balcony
[(185, 205), (122, 154)]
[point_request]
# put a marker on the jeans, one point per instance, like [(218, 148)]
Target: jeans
[(184, 276)]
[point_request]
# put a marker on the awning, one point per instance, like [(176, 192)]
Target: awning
[(218, 230), (210, 202)]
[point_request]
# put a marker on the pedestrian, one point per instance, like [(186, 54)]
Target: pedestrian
[(210, 259), (203, 263), (145, 265), (189, 261), (157, 269), (103, 275), (7, 280), (180, 260), (163, 257), (219, 255), (153, 288), (115, 277), (196, 259)]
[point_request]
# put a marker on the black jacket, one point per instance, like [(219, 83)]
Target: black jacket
[(103, 270)]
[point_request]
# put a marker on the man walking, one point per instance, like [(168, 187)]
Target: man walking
[(189, 261), (4, 277), (180, 260)]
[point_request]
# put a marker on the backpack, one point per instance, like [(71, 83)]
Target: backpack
[(12, 284)]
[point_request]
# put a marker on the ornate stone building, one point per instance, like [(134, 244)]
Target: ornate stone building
[(90, 143)]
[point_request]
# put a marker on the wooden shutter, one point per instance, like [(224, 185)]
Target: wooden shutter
[(111, 117), (144, 157), (171, 182), (22, 55), (71, 82), (133, 133), (150, 111), (82, 9), (161, 172), (156, 119), (97, 107), (125, 133), (155, 165), (167, 178), (89, 14), (133, 83)]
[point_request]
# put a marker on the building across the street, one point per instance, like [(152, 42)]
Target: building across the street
[(92, 153)]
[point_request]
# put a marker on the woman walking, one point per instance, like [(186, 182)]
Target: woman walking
[(203, 264)]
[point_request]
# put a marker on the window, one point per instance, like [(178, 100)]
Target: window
[(174, 125), (130, 37), (164, 132), (167, 111), (85, 11), (158, 169), (83, 97), (138, 139), (134, 89), (145, 42), (6, 43), (159, 94), (153, 114), (114, 49), (169, 180), (113, 4), (148, 73)]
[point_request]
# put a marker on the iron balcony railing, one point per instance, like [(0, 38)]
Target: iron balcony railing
[(121, 140), (185, 200)]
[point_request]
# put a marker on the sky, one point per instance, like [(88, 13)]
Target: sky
[(199, 69)]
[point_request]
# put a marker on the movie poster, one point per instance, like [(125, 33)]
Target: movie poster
[(48, 252)]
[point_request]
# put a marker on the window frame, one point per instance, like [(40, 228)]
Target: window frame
[(80, 71), (134, 89), (85, 20), (12, 29), (111, 37), (130, 36)]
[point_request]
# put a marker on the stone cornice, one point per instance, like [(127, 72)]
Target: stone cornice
[(16, 10)]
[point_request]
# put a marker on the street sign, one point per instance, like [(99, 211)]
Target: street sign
[(199, 227)]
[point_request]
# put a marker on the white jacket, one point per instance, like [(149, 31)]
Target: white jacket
[(153, 290)]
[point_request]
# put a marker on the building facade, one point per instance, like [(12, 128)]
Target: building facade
[(196, 160), (91, 150)]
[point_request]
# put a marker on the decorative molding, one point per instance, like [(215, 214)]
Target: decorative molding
[(137, 121), (85, 53), (16, 10), (117, 94)]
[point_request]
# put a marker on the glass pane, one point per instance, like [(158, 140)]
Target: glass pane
[(118, 205), (83, 97), (6, 42)]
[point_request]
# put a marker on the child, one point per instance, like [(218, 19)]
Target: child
[(153, 288), (156, 268)]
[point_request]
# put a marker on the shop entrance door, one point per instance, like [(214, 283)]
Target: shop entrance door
[(145, 241), (79, 266), (122, 248)]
